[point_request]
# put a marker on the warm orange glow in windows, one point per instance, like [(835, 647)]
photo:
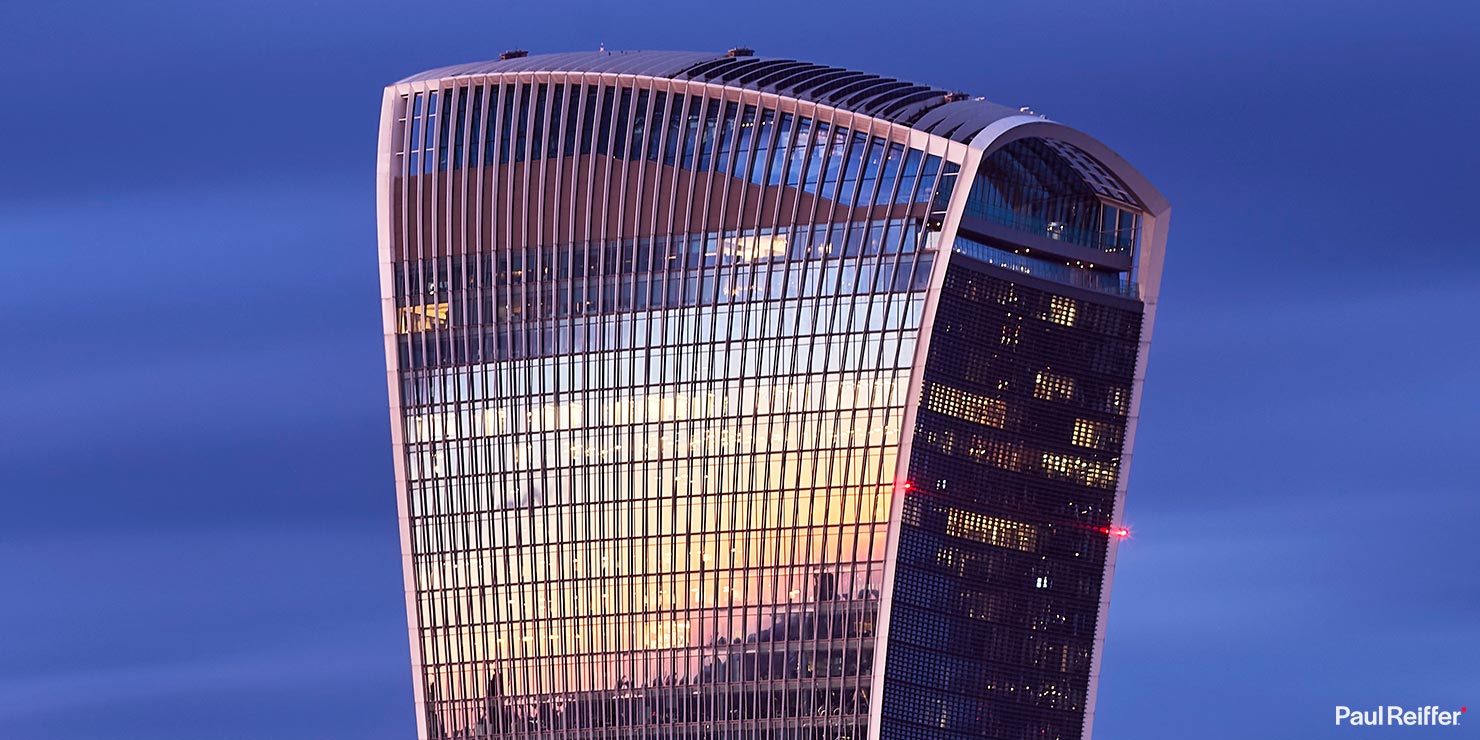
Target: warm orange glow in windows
[(423, 318), (973, 407), (1005, 455), (992, 530), (1062, 310), (1097, 435), (1080, 470), (1053, 387)]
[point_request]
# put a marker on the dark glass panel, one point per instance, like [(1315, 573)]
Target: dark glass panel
[(1005, 525)]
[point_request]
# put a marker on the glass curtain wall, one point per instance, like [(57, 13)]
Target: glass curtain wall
[(649, 473), (1005, 525)]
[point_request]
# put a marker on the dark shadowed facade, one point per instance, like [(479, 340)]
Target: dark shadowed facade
[(750, 398)]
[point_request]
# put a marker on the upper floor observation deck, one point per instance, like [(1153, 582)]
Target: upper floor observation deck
[(1043, 198)]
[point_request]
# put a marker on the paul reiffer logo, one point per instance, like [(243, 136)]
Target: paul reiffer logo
[(1384, 716)]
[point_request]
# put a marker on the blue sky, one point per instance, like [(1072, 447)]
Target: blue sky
[(198, 537)]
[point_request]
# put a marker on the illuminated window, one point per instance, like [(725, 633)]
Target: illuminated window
[(1005, 455), (992, 530), (943, 441), (1052, 387), (756, 247), (1098, 435), (951, 559), (1061, 310), (973, 407), (1079, 470), (423, 318)]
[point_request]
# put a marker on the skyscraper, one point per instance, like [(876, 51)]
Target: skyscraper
[(737, 397)]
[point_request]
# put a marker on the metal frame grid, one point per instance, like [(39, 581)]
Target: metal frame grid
[(648, 386)]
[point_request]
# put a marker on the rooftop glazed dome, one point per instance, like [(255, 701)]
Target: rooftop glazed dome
[(930, 109)]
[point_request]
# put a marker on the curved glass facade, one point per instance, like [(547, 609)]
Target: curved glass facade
[(1052, 188), (654, 345)]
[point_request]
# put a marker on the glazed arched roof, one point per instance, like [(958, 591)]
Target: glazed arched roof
[(923, 107)]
